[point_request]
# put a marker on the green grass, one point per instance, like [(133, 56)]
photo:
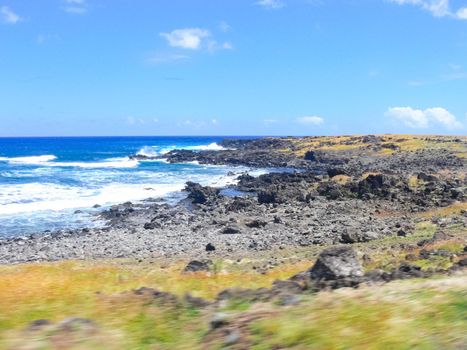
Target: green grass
[(403, 315)]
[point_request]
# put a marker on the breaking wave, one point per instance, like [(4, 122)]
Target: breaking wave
[(48, 160)]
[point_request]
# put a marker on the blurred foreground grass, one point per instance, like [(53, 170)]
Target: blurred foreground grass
[(420, 314), (410, 314)]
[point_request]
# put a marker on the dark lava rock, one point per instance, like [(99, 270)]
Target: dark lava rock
[(371, 139), (198, 265), (149, 226), (336, 262), (401, 233), (266, 197), (210, 247), (426, 177), (163, 298), (220, 319), (200, 194), (76, 323), (249, 295), (406, 271), (195, 301), (38, 325), (256, 223), (231, 230), (335, 171), (311, 156)]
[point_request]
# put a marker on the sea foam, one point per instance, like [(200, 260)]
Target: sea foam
[(48, 161)]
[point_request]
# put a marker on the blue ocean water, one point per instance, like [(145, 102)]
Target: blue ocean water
[(45, 181)]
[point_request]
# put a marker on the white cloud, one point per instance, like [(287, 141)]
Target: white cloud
[(43, 38), (77, 7), (8, 16), (271, 4), (270, 121), (133, 121), (224, 26), (194, 39), (422, 119), (457, 72), (171, 58), (187, 38), (227, 45), (462, 13), (438, 8), (311, 120)]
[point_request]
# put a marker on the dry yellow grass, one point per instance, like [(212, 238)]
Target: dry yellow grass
[(405, 143), (54, 290), (453, 209), (341, 179)]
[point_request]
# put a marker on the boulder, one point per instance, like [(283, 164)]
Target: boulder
[(336, 262), (210, 247), (200, 194), (198, 265), (335, 171), (231, 230), (311, 156)]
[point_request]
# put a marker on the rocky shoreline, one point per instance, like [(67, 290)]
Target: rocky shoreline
[(357, 189)]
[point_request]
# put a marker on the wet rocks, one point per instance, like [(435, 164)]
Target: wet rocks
[(201, 194)]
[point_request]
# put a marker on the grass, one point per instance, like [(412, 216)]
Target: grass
[(382, 317), (369, 318), (385, 318), (453, 209), (58, 290), (404, 143)]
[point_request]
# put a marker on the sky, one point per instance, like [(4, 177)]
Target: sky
[(232, 67)]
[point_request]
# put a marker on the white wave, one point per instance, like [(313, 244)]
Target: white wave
[(48, 161), (116, 163), (29, 160), (29, 198), (158, 160), (211, 147), (155, 151), (148, 151)]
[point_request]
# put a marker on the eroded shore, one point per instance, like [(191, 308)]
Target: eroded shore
[(344, 190)]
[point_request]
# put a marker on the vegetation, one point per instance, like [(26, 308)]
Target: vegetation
[(389, 144), (367, 318)]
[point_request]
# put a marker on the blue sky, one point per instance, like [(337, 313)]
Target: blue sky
[(232, 67)]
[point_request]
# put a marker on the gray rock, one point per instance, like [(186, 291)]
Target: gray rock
[(336, 262)]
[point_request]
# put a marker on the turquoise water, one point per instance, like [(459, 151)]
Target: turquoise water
[(45, 181)]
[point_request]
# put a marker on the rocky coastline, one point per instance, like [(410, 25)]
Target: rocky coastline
[(345, 191)]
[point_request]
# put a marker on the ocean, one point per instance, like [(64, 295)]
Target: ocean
[(49, 184)]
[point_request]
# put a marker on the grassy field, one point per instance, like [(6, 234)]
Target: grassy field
[(411, 314), (456, 145)]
